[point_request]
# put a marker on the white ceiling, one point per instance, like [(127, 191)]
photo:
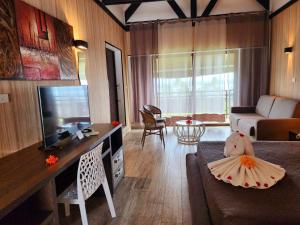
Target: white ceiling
[(160, 10)]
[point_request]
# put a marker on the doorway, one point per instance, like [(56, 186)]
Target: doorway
[(115, 82)]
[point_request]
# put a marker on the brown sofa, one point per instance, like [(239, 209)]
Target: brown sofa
[(271, 119)]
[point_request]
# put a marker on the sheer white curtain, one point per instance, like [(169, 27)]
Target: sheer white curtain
[(201, 69), (173, 83), (174, 68), (194, 72), (215, 68)]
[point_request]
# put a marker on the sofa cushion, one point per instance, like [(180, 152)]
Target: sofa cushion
[(264, 105), (248, 125), (236, 117), (284, 108)]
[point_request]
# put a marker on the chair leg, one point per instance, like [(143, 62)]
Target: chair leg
[(144, 138), (83, 214), (109, 199), (166, 128), (67, 209), (162, 137)]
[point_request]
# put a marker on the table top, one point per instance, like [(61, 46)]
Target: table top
[(193, 123), (295, 131), (24, 172)]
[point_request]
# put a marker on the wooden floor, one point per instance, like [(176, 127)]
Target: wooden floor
[(154, 190)]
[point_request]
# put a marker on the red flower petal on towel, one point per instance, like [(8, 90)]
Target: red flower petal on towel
[(273, 177), (242, 135), (266, 185), (246, 184), (229, 177), (219, 175), (258, 184)]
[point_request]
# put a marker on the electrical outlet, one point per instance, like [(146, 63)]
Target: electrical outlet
[(294, 80), (4, 98)]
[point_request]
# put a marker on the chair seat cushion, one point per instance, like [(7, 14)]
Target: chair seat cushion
[(160, 120), (157, 127), (236, 117)]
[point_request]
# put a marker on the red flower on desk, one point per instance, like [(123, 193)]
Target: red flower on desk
[(115, 123), (51, 160)]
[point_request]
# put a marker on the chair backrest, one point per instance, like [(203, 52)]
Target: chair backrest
[(148, 118), (91, 173), (153, 109)]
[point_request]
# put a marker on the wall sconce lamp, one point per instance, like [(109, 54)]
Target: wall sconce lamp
[(83, 45), (288, 50)]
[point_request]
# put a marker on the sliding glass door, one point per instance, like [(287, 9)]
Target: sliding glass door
[(202, 83)]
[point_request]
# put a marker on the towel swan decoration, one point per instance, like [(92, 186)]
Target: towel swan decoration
[(242, 168)]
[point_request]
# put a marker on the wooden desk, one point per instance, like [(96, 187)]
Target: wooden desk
[(26, 181), (293, 135)]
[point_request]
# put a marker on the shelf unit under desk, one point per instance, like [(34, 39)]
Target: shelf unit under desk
[(28, 188)]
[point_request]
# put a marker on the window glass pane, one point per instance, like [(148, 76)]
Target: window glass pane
[(205, 88)]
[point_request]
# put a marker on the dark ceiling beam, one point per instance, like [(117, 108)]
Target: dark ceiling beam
[(209, 7), (282, 8), (108, 12), (193, 8), (177, 9), (264, 3), (118, 2), (131, 10)]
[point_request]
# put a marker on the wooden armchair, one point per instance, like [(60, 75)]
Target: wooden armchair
[(152, 126), (156, 113)]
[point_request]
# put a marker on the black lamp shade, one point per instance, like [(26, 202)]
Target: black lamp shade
[(288, 50), (80, 44)]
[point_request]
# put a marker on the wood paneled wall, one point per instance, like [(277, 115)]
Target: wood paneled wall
[(285, 68), (19, 119)]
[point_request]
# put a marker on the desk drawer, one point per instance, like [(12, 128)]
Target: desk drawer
[(117, 160), (118, 175)]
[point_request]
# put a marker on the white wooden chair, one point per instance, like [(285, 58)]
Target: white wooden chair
[(90, 175)]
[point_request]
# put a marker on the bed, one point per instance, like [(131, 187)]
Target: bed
[(216, 203)]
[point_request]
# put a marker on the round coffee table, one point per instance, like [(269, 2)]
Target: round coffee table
[(189, 133)]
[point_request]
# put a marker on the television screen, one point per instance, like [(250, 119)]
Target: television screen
[(64, 111)]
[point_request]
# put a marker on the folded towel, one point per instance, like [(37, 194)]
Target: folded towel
[(246, 171), (238, 144), (242, 168)]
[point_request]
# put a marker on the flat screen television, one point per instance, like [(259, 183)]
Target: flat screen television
[(64, 110)]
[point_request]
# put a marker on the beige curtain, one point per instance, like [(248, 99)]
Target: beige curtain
[(173, 76), (210, 34), (250, 34), (214, 68), (245, 31), (174, 65), (144, 43), (175, 37)]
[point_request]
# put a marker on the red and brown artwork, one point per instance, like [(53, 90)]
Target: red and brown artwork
[(10, 58), (43, 45)]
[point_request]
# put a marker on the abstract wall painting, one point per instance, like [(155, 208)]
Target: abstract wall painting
[(10, 58), (45, 45)]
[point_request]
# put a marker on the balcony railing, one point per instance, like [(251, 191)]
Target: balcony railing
[(200, 102)]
